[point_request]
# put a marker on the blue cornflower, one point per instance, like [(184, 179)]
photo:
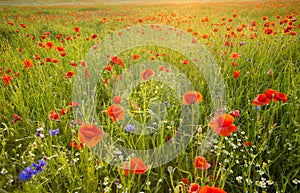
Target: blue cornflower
[(166, 103), (129, 128), (39, 167), (53, 132), (256, 108), (27, 173), (32, 170)]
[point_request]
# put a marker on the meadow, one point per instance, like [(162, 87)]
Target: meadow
[(84, 93)]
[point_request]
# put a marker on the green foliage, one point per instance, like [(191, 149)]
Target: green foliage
[(269, 164)]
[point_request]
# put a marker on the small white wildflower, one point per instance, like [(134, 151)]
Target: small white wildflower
[(226, 161), (261, 184), (261, 172), (249, 182), (239, 179), (77, 154), (4, 171), (107, 189), (98, 167), (296, 181), (270, 182)]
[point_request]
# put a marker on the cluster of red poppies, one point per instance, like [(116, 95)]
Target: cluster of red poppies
[(269, 95)]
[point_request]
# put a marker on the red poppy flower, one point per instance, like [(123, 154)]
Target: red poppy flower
[(205, 36), (105, 81), (247, 143), (48, 59), (274, 95), (54, 116), (63, 111), (191, 97), (73, 104), (76, 29), (161, 68), (234, 63), (194, 188), (90, 134), (235, 113), (27, 63), (37, 57), (63, 54), (117, 99), (236, 73), (235, 56), (116, 60), (60, 48), (264, 18), (268, 31), (185, 61), (16, 118), (147, 73), (6, 79), (261, 99), (49, 45), (227, 43), (135, 166), (11, 23), (16, 74), (194, 40), (185, 180), (189, 30), (280, 97), (75, 145), (201, 163), (83, 64), (270, 94), (208, 189), (115, 112), (94, 36), (135, 56), (69, 74), (86, 73), (108, 67), (73, 63), (223, 124)]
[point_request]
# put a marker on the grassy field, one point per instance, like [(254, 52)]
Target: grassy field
[(54, 128)]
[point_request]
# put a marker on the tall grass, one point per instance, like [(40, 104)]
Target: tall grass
[(269, 164)]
